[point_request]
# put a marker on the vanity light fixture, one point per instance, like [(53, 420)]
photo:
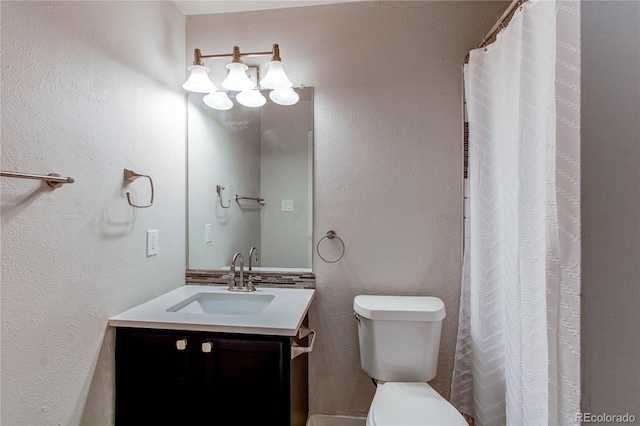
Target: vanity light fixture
[(238, 81), (251, 98), (286, 96), (218, 100)]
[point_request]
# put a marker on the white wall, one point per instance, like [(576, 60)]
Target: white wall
[(610, 207), (224, 149), (88, 88), (388, 158)]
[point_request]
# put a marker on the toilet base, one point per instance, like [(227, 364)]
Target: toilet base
[(411, 403)]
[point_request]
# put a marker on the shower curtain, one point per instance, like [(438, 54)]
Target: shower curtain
[(518, 349)]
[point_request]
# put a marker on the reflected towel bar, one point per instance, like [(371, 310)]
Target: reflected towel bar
[(259, 200), (54, 180)]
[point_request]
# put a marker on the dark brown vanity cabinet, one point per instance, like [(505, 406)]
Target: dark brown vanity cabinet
[(180, 377)]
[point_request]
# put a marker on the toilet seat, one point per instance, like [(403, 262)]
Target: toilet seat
[(411, 404)]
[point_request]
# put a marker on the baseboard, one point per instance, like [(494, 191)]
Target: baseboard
[(327, 420)]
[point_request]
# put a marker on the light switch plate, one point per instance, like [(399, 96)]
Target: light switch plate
[(287, 205), (208, 233)]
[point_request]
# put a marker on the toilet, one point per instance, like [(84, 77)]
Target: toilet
[(399, 340)]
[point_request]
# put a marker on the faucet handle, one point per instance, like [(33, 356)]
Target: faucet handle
[(230, 277)]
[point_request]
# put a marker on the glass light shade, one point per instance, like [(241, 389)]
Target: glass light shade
[(251, 98), (276, 78), (237, 79), (284, 96), (199, 81), (218, 100)]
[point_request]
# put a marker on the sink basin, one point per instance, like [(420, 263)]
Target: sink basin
[(223, 303)]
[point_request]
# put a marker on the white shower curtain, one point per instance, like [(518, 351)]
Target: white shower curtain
[(518, 350)]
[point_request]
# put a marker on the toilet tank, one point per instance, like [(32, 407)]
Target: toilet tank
[(399, 336)]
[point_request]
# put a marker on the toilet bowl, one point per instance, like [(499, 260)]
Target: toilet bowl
[(399, 339), (411, 403)]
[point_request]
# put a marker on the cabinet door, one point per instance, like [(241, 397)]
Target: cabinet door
[(244, 382), (151, 377)]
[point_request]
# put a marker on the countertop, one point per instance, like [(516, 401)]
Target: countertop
[(282, 317)]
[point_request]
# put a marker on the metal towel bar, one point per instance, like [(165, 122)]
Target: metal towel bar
[(240, 197), (54, 180)]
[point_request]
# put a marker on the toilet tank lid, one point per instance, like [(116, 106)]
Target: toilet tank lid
[(399, 308)]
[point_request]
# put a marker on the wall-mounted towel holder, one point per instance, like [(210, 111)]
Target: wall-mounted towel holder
[(54, 180), (130, 176), (258, 200), (219, 189), (296, 349), (330, 235)]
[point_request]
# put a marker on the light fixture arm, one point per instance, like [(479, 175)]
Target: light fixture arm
[(236, 55)]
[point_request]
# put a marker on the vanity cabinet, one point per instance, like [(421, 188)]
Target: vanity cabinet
[(195, 377)]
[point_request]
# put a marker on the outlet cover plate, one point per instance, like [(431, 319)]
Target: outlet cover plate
[(153, 242)]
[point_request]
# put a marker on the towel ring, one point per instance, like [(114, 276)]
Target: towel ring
[(130, 176), (330, 235), (219, 189)]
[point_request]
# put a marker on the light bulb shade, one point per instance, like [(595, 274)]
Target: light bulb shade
[(218, 100), (284, 96), (199, 81), (276, 78), (251, 98), (237, 79)]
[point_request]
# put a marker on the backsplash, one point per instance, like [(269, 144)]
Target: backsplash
[(266, 279)]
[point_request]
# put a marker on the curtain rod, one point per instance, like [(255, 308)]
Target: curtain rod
[(498, 25)]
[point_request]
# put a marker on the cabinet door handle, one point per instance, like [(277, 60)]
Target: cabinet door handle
[(181, 344), (299, 350), (206, 347)]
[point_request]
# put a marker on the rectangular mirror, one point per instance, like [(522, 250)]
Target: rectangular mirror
[(265, 153)]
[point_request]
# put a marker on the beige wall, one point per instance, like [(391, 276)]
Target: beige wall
[(88, 88), (91, 88), (388, 153), (610, 207)]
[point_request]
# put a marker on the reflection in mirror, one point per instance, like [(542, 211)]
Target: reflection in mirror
[(265, 153)]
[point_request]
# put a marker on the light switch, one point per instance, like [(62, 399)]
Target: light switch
[(208, 233), (287, 205)]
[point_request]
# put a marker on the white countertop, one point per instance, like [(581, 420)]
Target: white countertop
[(282, 317)]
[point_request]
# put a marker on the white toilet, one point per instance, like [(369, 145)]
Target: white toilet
[(399, 343)]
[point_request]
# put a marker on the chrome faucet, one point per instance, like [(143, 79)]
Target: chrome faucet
[(254, 248), (242, 285)]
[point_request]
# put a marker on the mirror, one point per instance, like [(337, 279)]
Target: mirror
[(264, 153)]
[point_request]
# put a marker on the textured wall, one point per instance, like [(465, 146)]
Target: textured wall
[(224, 149), (388, 156), (610, 207), (88, 88)]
